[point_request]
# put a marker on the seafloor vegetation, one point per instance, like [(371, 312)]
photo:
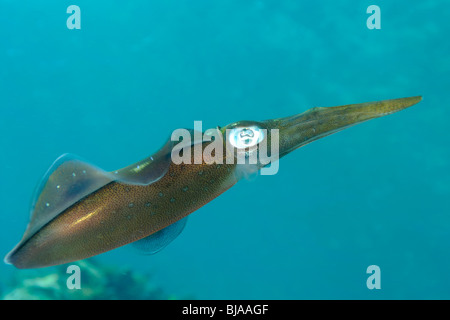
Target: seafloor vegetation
[(98, 281)]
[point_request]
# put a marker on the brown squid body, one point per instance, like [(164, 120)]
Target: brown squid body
[(80, 210)]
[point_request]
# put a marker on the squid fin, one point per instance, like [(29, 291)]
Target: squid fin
[(160, 239), (67, 181)]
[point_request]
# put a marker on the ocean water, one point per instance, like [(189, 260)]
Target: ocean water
[(112, 92)]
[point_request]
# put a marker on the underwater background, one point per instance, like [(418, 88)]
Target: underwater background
[(113, 91)]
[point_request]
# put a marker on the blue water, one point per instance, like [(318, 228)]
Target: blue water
[(112, 92)]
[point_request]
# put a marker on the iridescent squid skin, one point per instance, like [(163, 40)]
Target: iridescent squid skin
[(81, 211)]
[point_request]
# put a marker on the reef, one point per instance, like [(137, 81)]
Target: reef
[(98, 282)]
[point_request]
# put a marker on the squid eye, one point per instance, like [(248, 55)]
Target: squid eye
[(245, 137)]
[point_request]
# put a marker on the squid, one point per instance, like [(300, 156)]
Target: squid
[(80, 210)]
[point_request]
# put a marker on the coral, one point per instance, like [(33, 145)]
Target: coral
[(98, 282)]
